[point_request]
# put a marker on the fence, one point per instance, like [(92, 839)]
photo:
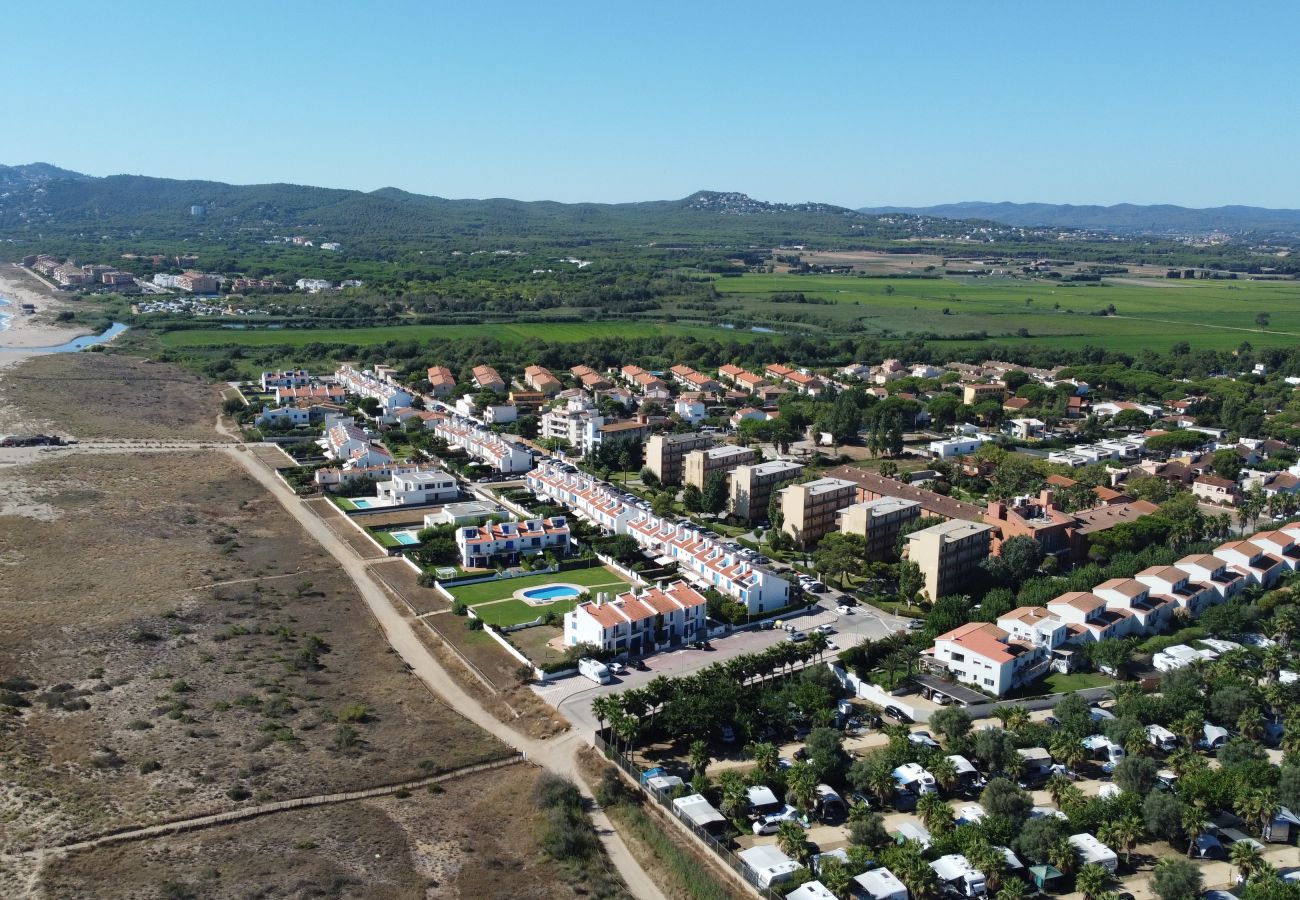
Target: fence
[(720, 849)]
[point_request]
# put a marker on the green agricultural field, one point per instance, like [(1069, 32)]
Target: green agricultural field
[(1149, 313), (567, 333), (487, 591)]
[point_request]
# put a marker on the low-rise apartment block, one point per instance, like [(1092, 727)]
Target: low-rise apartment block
[(371, 383), (504, 543), (749, 488), (948, 554), (972, 394), (700, 465), (808, 510), (487, 378), (879, 521), (586, 496), (485, 446), (665, 454), (638, 622), (540, 379), (441, 381)]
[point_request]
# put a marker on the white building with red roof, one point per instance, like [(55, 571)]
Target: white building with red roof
[(483, 546), (638, 622), (485, 446), (988, 657)]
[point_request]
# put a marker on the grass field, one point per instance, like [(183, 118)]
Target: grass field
[(1153, 314), (564, 333), (486, 592)]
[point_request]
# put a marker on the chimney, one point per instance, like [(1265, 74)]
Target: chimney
[(997, 510), (1047, 498)]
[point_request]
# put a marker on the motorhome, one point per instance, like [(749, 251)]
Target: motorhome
[(968, 777), (1035, 764), (762, 801), (594, 669), (1161, 738), (955, 873), (1101, 747), (911, 778), (1091, 850), (879, 884)]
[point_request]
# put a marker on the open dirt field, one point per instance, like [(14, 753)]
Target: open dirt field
[(89, 395), (173, 644), (422, 846)]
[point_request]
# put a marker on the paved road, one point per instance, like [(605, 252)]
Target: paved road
[(557, 754), (572, 696)]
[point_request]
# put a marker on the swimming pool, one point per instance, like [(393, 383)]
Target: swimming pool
[(550, 592), (365, 504), (405, 538)]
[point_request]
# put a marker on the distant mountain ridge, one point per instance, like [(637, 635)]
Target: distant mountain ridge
[(1121, 218)]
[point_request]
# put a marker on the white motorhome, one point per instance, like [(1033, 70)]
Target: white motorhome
[(879, 884), (956, 873), (1101, 747), (594, 669), (1161, 738), (912, 778), (1091, 850)]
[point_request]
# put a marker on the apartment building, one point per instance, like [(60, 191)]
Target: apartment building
[(972, 394), (693, 380), (286, 378), (638, 622), (540, 379), (749, 488), (665, 454), (700, 465), (441, 381), (990, 657), (708, 564), (485, 546), (417, 488), (487, 378), (872, 485), (741, 379), (1207, 568), (576, 423), (948, 554), (371, 383), (808, 510), (1090, 618), (879, 521), (485, 446), (313, 393)]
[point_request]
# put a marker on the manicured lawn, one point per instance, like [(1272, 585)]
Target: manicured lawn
[(484, 592), (516, 612), (343, 503)]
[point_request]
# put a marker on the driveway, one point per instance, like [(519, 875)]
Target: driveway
[(572, 696)]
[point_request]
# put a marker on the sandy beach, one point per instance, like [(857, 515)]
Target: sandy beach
[(22, 333)]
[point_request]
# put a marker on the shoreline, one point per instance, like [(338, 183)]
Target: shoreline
[(20, 332)]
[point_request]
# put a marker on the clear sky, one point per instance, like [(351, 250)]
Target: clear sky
[(857, 103)]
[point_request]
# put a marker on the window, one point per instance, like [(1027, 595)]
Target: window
[(988, 682)]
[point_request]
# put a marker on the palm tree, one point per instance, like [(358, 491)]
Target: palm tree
[(916, 875), (1245, 856), (880, 781), (1250, 725), (1190, 728), (1182, 760), (1063, 856), (1067, 750), (765, 756), (1091, 881), (1014, 889), (1056, 787), (801, 783), (835, 876), (990, 861), (1257, 806), (602, 707), (1017, 718), (735, 794), (1194, 825), (1274, 660), (698, 757), (944, 771), (791, 839), (1003, 714), (935, 813), (817, 642)]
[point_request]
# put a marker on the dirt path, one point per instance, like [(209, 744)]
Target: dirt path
[(558, 755), (251, 812)]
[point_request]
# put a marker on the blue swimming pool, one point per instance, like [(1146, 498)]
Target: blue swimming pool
[(364, 504), (551, 592), (405, 538)]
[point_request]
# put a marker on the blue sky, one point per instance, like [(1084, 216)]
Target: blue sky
[(858, 103)]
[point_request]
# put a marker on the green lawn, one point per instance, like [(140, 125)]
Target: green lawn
[(487, 591), (343, 503), (1056, 683), (1151, 314), (516, 612), (514, 333)]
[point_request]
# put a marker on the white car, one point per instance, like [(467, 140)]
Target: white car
[(770, 824), (844, 610)]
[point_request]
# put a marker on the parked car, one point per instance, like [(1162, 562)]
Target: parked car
[(769, 824), (915, 624), (640, 666), (798, 636), (825, 629), (844, 609), (617, 668), (897, 714)]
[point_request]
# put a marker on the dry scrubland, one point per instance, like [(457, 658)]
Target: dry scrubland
[(420, 846), (105, 395), (175, 646)]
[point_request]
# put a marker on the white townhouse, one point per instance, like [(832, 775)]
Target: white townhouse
[(1251, 561), (586, 496), (638, 622), (1206, 568), (289, 378), (1150, 613), (1279, 545), (483, 546), (343, 439), (1179, 586), (1089, 618), (372, 384), (417, 488), (708, 564), (485, 446)]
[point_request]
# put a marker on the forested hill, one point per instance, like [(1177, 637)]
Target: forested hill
[(1123, 218), (51, 201)]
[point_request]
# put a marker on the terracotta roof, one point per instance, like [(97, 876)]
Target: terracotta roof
[(982, 638)]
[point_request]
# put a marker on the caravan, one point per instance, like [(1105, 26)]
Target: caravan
[(911, 778), (955, 873), (1161, 738), (1101, 747)]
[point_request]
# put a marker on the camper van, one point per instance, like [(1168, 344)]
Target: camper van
[(911, 778), (594, 669), (956, 874), (1161, 738), (1101, 747)]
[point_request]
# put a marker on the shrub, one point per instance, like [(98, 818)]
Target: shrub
[(354, 712)]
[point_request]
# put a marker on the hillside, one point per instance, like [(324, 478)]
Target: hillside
[(1123, 218), (52, 201)]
